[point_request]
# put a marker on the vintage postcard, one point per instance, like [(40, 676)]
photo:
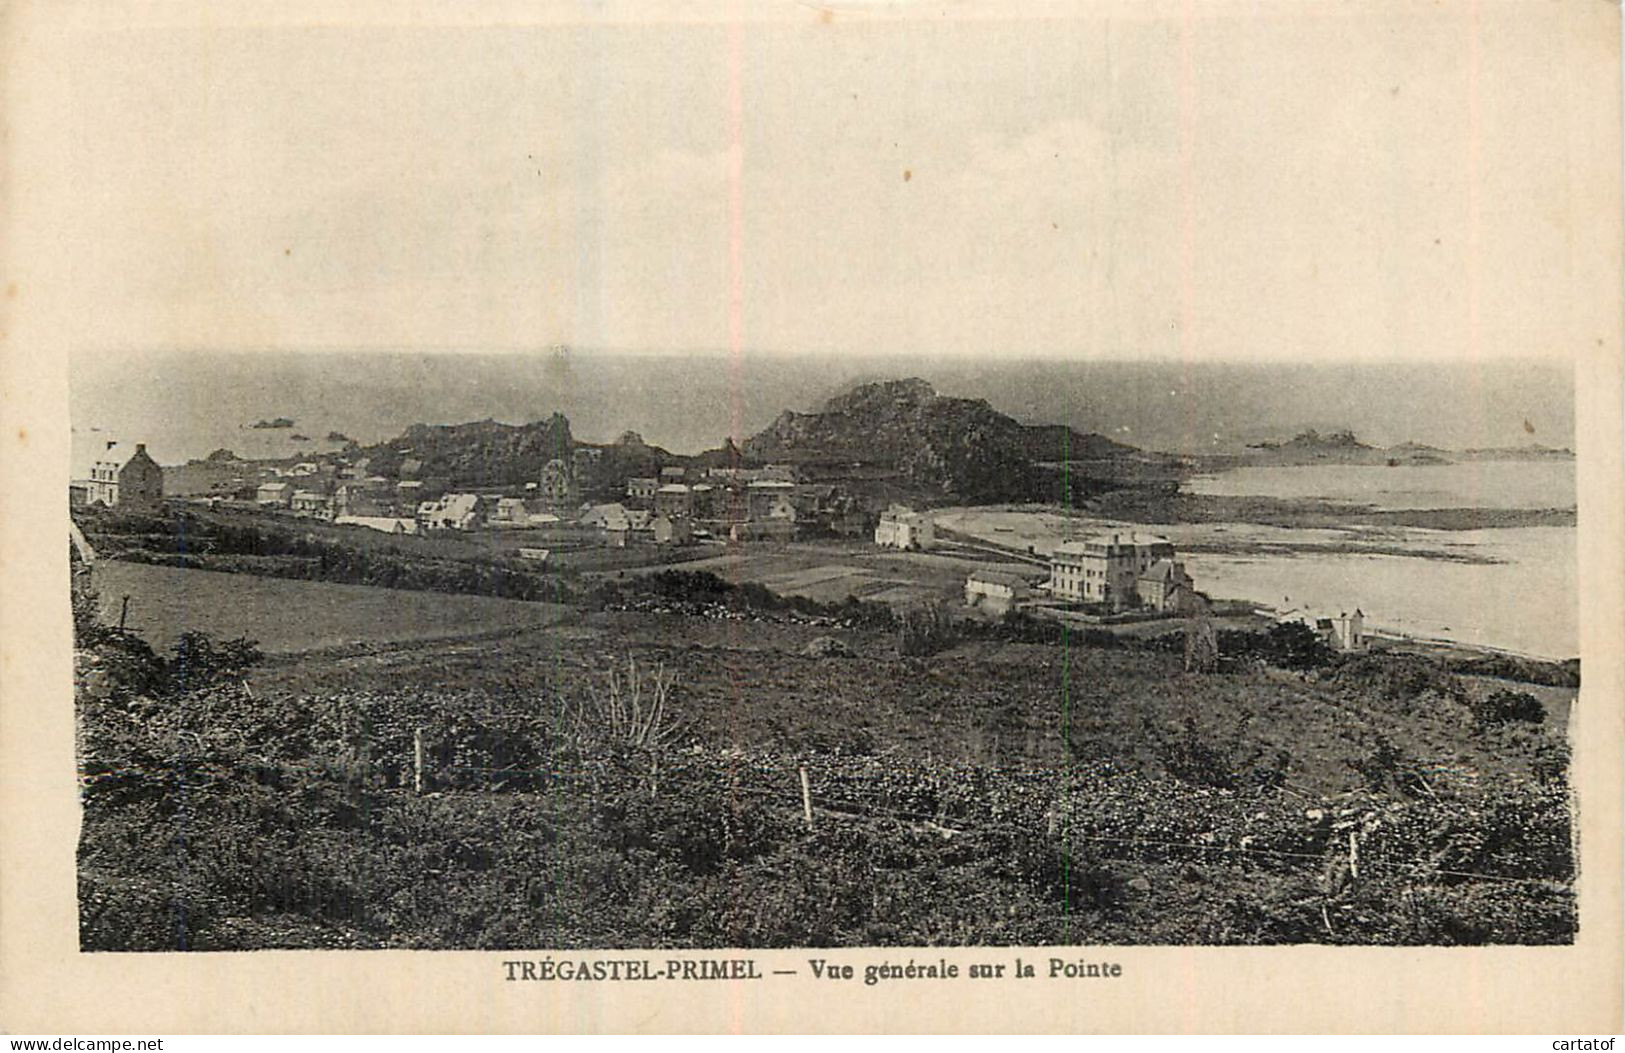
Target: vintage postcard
[(1098, 517)]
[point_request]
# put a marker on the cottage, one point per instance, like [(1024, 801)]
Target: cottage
[(452, 512), (1166, 587), (673, 530), (600, 515), (355, 499), (995, 591), (134, 481), (617, 531), (510, 512), (763, 530), (1105, 569), (902, 527), (274, 495), (764, 496), (641, 488), (1342, 631), (310, 503), (382, 524), (674, 499), (672, 474)]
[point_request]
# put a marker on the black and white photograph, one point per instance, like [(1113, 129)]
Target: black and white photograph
[(701, 484)]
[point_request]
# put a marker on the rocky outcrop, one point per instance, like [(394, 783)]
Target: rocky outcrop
[(954, 446)]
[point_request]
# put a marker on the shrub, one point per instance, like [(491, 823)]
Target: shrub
[(924, 630), (1506, 707), (199, 662)]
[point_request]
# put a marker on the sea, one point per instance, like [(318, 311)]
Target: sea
[(1509, 588), (186, 404)]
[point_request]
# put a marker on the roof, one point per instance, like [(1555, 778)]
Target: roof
[(308, 495), (384, 523), (1164, 570), (673, 488), (1119, 538), (276, 486), (999, 577), (772, 484)]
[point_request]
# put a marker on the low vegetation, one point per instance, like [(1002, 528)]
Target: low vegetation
[(640, 787)]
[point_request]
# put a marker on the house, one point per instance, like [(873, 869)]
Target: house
[(535, 555), (600, 515), (353, 499), (617, 531), (674, 499), (995, 591), (641, 488), (411, 468), (1342, 631), (383, 524), (673, 530), (310, 503), (452, 512), (1105, 569), (78, 495), (1166, 587), (763, 496), (274, 495), (134, 482), (902, 527), (763, 530), (510, 511)]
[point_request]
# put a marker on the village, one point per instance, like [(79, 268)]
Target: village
[(707, 517)]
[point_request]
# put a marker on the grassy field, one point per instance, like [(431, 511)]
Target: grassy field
[(291, 616), (831, 571)]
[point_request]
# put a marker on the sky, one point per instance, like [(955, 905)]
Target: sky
[(1190, 182)]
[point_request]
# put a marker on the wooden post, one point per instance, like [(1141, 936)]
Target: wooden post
[(806, 798), (1354, 856), (123, 610), (417, 760)]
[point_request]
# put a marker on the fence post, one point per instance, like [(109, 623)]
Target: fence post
[(806, 798), (123, 610), (417, 760)]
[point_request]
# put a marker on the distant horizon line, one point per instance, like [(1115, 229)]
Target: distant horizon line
[(1465, 358)]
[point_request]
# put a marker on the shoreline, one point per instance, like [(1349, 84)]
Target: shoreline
[(1396, 635)]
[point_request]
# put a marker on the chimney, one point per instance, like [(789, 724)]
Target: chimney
[(140, 448)]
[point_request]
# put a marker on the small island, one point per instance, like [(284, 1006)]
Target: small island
[(279, 422)]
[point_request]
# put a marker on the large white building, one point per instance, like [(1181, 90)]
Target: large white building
[(131, 480), (902, 527), (1106, 569)]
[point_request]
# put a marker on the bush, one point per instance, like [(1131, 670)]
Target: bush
[(924, 630), (199, 662), (1507, 707)]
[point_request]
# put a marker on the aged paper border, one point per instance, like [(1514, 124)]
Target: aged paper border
[(47, 986)]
